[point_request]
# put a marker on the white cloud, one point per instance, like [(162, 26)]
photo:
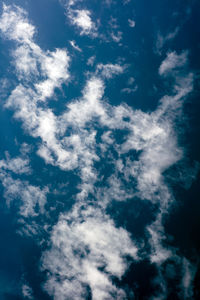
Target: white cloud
[(27, 291), (129, 90), (116, 191), (15, 25), (150, 133), (108, 2), (76, 47), (188, 273), (159, 253), (72, 2), (172, 62), (82, 245), (109, 70), (116, 36), (162, 40), (81, 112), (113, 23), (30, 61), (25, 62), (55, 67), (106, 138), (91, 60), (131, 80), (131, 23), (82, 19), (18, 165), (28, 195), (43, 123)]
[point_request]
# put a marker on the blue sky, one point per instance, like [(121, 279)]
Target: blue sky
[(99, 166)]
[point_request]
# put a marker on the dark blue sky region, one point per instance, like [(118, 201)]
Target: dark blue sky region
[(99, 145)]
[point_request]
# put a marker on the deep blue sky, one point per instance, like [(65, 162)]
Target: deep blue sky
[(99, 145)]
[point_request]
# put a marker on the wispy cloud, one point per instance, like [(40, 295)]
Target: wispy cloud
[(30, 61), (188, 273), (116, 36), (162, 40), (173, 61), (27, 292), (18, 165), (109, 70), (131, 23), (129, 90), (76, 47), (91, 60)]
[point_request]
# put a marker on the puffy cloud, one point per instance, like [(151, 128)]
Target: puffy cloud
[(81, 112), (55, 67), (87, 250), (82, 19), (15, 25)]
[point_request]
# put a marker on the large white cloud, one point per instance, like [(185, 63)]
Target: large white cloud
[(29, 59), (81, 246)]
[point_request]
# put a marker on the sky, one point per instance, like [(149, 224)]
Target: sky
[(99, 150)]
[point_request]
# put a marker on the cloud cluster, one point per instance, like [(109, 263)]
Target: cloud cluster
[(31, 198), (18, 165), (81, 18), (50, 68), (87, 251)]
